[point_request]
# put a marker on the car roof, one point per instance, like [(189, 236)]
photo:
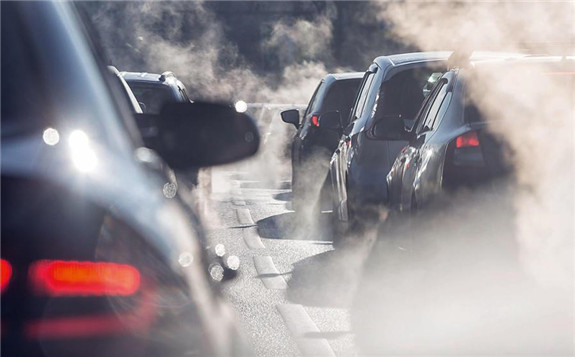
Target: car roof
[(417, 57), (413, 57), (345, 75), (141, 76), (526, 59), (152, 78)]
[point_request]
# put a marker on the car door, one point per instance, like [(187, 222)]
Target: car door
[(414, 158), (344, 152)]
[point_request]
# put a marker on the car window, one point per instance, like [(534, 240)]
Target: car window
[(403, 94), (313, 100), (432, 106), (340, 97), (362, 98), (153, 96), (442, 109)]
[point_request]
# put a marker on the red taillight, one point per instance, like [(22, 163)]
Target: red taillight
[(5, 274), (72, 278), (467, 140), (315, 120)]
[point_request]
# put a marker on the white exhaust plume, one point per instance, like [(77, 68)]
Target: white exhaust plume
[(493, 274)]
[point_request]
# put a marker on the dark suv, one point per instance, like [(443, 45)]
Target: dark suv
[(314, 143), (393, 89)]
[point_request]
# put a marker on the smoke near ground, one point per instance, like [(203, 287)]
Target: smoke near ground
[(489, 272)]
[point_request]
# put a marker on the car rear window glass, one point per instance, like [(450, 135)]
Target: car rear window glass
[(153, 96), (404, 93), (340, 97)]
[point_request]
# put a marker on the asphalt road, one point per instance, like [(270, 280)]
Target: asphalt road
[(448, 285), (290, 296)]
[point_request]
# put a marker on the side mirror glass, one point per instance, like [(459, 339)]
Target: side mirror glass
[(330, 120), (291, 117), (391, 127), (192, 135)]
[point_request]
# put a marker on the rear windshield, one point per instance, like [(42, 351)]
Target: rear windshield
[(153, 96), (341, 96)]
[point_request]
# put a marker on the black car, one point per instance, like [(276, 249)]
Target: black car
[(96, 260), (314, 143), (452, 145), (154, 90), (392, 90)]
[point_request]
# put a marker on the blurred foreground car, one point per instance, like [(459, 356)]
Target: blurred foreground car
[(451, 145), (316, 140), (96, 261)]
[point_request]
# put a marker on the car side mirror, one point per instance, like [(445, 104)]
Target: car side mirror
[(192, 135), (330, 120), (291, 117), (392, 128)]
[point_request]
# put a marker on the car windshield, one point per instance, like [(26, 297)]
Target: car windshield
[(153, 96)]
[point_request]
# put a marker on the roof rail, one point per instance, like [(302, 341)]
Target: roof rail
[(166, 74)]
